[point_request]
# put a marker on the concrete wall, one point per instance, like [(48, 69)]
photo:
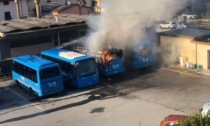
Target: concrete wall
[(174, 47), (32, 49), (12, 9), (4, 50), (202, 54)]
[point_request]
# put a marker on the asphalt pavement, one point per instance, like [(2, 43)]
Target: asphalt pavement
[(135, 98)]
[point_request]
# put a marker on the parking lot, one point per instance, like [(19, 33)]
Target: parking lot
[(131, 99)]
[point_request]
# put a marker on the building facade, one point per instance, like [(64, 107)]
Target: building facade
[(31, 36), (8, 9), (192, 44)]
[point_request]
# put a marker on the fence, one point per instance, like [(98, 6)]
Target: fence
[(5, 67), (200, 23)]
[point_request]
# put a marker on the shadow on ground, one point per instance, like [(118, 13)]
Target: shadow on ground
[(120, 85)]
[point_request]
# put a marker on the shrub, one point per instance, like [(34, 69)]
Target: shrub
[(196, 120)]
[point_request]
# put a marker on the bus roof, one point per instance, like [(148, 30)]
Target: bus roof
[(65, 55), (33, 61)]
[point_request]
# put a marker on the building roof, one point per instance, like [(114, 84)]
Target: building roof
[(48, 7), (31, 23), (64, 7), (187, 32)]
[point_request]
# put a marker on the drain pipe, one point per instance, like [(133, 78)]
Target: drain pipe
[(17, 8)]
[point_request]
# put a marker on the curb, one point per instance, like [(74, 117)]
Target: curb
[(192, 70)]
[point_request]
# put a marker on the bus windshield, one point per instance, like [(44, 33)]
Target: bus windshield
[(49, 72), (86, 67)]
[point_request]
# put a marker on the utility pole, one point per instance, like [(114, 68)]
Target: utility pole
[(38, 15), (80, 5), (17, 8)]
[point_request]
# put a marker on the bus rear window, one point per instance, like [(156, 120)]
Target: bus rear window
[(49, 72)]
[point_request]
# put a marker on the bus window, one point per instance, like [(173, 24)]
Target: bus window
[(31, 74), (24, 71), (67, 67), (49, 72), (14, 66), (86, 67)]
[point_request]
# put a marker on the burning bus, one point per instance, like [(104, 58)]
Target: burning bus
[(109, 61), (140, 56)]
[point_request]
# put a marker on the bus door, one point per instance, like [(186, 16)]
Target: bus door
[(68, 73), (50, 80)]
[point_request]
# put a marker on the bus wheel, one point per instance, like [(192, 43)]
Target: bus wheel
[(32, 92), (17, 83)]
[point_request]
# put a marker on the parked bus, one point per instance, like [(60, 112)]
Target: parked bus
[(140, 56), (78, 70), (40, 76), (109, 61)]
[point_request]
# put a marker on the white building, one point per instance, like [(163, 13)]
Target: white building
[(31, 5), (8, 9)]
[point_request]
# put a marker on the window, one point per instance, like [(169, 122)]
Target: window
[(49, 72), (24, 71), (15, 67), (94, 3), (66, 67), (7, 16), (84, 2), (5, 2)]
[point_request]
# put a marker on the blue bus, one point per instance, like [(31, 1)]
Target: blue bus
[(40, 76), (140, 56), (110, 61), (78, 70)]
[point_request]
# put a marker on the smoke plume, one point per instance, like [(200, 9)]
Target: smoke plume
[(123, 23)]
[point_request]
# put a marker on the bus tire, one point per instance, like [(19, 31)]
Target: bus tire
[(17, 82), (32, 92)]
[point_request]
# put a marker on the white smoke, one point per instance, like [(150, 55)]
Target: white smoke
[(123, 22)]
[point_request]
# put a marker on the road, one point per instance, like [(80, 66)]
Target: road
[(135, 98)]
